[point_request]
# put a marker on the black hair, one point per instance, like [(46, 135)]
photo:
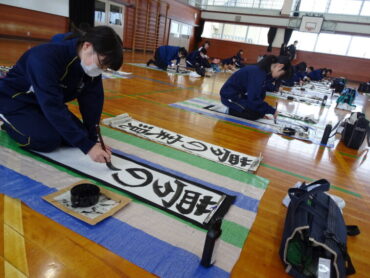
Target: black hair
[(207, 42), (105, 42), (203, 50), (329, 70), (311, 68), (295, 41), (266, 62), (301, 66), (183, 52)]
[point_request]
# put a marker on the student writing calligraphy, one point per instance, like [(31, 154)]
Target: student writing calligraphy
[(34, 94), (244, 92)]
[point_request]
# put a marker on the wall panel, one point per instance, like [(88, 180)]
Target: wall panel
[(20, 22), (176, 11)]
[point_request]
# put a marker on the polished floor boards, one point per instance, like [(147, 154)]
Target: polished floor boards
[(145, 96)]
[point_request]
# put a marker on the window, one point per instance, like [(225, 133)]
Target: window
[(366, 9), (270, 4), (306, 41), (257, 35), (353, 7), (234, 32), (359, 47), (332, 44), (318, 6), (261, 4), (174, 27), (115, 15), (345, 7), (185, 29), (99, 11), (212, 30)]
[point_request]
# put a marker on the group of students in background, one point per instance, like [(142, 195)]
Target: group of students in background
[(244, 92), (169, 56)]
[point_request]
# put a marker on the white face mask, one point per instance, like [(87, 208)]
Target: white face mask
[(92, 70)]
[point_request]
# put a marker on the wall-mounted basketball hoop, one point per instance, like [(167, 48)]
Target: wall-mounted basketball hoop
[(311, 24)]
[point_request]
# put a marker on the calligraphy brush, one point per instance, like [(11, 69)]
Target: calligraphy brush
[(108, 163)]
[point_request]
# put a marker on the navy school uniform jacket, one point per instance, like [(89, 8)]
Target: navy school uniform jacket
[(193, 58), (315, 75), (228, 61), (246, 89), (60, 37), (296, 77), (167, 53), (48, 76)]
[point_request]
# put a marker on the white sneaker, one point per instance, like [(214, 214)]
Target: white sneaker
[(194, 74)]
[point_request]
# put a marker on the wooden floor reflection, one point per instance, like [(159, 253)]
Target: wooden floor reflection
[(145, 97)]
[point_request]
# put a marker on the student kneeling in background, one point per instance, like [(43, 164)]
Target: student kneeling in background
[(244, 92), (229, 64), (165, 54)]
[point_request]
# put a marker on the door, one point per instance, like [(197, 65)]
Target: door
[(179, 34), (110, 14)]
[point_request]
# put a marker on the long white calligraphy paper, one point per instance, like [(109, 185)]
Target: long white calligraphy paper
[(184, 143), (186, 199)]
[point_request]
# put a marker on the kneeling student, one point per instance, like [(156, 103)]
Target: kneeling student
[(229, 64), (244, 92), (165, 54), (34, 93)]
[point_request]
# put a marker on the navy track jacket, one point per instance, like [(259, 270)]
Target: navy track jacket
[(246, 89), (167, 53), (315, 75), (50, 75)]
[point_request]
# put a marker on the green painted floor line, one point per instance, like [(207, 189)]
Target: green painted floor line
[(231, 229), (150, 101), (349, 155), (113, 97), (309, 179), (108, 114)]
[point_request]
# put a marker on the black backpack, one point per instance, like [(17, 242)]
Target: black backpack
[(315, 230), (355, 130), (363, 87), (338, 84), (200, 70)]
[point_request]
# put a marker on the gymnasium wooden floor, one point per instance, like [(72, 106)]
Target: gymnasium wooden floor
[(54, 251)]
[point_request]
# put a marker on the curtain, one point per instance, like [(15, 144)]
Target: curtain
[(270, 37), (198, 34), (81, 11), (287, 35)]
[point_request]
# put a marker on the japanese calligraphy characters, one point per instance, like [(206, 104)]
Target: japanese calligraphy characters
[(187, 199), (187, 144)]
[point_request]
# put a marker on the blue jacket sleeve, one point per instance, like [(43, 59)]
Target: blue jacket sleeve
[(256, 95), (244, 90), (91, 106), (172, 53), (44, 70)]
